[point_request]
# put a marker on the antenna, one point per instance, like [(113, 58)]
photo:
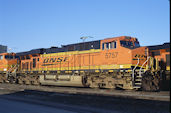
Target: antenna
[(85, 37), (9, 50)]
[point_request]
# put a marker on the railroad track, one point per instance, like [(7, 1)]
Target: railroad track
[(158, 96)]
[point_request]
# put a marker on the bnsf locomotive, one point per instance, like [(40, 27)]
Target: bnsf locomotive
[(117, 62)]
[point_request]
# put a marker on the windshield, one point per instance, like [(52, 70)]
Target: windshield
[(127, 44), (10, 57), (136, 44)]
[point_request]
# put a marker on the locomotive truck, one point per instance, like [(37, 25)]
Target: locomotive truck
[(117, 62)]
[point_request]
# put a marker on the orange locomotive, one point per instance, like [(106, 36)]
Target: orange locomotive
[(162, 53), (109, 63), (8, 63)]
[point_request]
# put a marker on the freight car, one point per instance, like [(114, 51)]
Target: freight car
[(117, 62)]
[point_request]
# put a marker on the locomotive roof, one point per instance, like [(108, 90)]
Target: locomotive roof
[(70, 47), (33, 51), (80, 43), (157, 47), (63, 48)]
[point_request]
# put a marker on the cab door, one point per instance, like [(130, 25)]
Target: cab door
[(34, 62), (2, 63)]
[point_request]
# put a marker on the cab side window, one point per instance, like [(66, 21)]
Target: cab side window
[(1, 57), (34, 63), (113, 45), (103, 46), (9, 57), (109, 45)]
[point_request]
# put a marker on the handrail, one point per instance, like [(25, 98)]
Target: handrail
[(143, 65), (12, 68), (134, 69)]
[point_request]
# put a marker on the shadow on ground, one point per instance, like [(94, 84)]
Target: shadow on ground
[(87, 103)]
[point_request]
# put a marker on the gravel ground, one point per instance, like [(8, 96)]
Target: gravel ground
[(77, 103), (160, 96)]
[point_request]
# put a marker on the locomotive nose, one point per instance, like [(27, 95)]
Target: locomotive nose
[(139, 54)]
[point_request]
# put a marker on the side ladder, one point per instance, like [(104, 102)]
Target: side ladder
[(137, 79), (11, 73)]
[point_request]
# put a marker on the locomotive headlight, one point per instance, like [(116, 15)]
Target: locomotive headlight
[(121, 66), (5, 69)]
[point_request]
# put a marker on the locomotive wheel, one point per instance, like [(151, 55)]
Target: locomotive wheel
[(19, 80), (12, 80), (34, 82), (94, 85), (91, 82), (150, 82), (27, 82), (110, 85), (1, 79)]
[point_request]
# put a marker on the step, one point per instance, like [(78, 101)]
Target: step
[(138, 83), (136, 87), (138, 79), (127, 75), (139, 76)]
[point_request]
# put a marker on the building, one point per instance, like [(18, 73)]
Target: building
[(3, 49)]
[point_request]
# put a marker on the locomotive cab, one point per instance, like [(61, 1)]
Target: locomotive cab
[(123, 41), (131, 62), (7, 61), (8, 66), (130, 43), (123, 51)]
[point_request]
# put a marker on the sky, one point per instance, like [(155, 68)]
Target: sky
[(32, 24)]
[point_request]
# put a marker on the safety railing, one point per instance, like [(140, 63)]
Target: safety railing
[(134, 69), (143, 65)]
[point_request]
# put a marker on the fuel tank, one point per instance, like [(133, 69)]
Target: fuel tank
[(62, 80)]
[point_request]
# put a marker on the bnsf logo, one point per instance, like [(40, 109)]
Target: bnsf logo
[(140, 56), (53, 60)]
